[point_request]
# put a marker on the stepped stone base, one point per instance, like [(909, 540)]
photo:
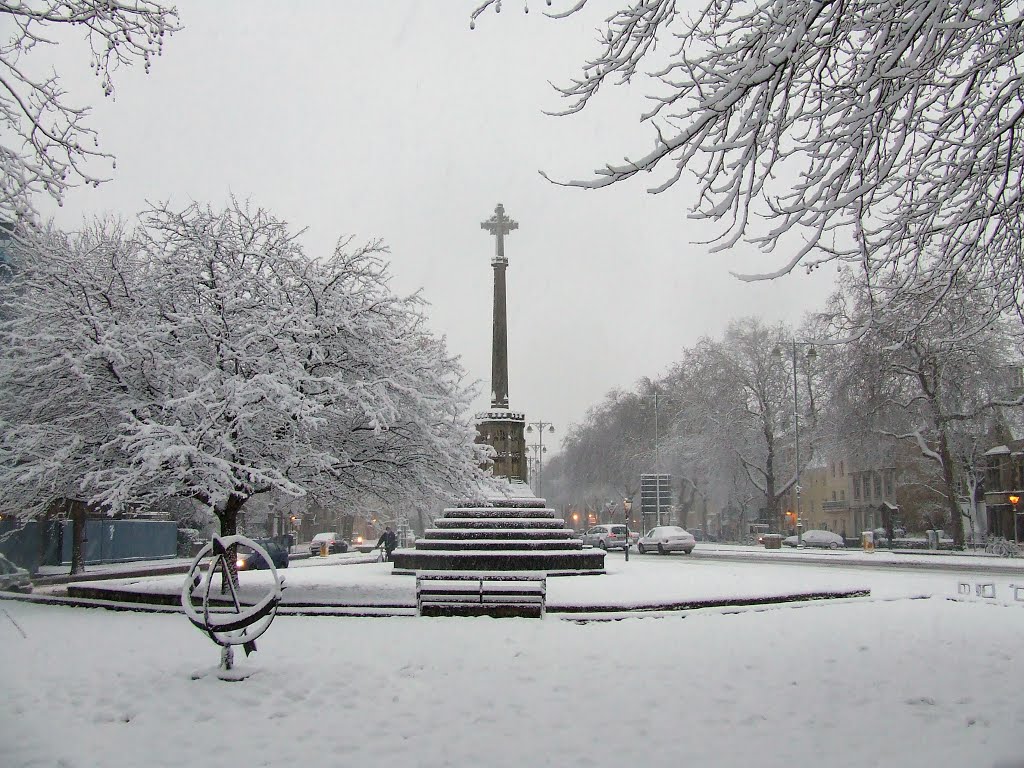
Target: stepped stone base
[(507, 534), (554, 562)]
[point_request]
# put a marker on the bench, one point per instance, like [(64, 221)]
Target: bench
[(481, 593)]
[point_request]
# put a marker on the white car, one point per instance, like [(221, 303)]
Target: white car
[(665, 539), (825, 539), (13, 578)]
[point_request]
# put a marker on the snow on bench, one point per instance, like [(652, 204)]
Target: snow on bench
[(481, 593)]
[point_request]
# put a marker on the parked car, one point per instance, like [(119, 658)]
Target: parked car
[(607, 536), (825, 539), (335, 544), (13, 578), (665, 539), (248, 559)]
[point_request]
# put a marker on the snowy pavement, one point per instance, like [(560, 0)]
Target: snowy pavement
[(880, 681)]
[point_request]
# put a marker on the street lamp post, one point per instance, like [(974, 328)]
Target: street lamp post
[(627, 504), (811, 354), (535, 460), (1014, 499), (540, 427)]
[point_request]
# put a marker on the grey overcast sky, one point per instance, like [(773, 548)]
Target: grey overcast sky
[(392, 119)]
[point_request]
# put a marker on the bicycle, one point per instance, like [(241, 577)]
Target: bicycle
[(1003, 548)]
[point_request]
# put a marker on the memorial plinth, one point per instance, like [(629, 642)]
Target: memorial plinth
[(508, 534)]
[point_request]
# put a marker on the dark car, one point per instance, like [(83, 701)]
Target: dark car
[(335, 544), (248, 559)]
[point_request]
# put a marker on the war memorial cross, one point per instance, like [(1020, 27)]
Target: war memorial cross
[(499, 225)]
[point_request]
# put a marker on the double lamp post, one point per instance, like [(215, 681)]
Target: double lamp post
[(540, 426)]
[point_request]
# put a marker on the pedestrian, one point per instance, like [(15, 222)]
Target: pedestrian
[(389, 541)]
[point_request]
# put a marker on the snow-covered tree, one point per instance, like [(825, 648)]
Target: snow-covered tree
[(881, 133), (46, 145), (929, 372), (205, 356), (736, 411), (606, 454)]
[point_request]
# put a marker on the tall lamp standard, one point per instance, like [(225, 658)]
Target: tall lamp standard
[(1014, 499), (811, 355), (534, 473), (540, 426), (627, 504)]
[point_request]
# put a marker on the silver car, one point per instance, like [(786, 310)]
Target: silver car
[(825, 539), (665, 539), (606, 536)]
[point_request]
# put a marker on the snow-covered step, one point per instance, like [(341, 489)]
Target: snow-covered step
[(498, 522), (496, 544), (496, 533)]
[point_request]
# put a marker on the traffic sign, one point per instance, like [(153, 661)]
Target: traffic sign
[(655, 493)]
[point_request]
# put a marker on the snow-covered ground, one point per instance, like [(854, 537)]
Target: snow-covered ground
[(712, 573), (881, 681)]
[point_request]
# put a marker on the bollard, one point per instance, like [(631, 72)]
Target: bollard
[(325, 548), (867, 539)]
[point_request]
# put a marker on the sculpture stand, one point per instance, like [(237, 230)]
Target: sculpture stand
[(228, 628)]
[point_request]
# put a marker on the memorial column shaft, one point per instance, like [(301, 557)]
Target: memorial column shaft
[(499, 341)]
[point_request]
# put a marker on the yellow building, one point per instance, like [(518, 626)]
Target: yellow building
[(824, 502)]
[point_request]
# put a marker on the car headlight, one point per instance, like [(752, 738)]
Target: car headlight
[(239, 563)]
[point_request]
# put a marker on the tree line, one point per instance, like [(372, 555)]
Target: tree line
[(934, 382)]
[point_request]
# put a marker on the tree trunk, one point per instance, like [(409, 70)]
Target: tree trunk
[(76, 510), (773, 509), (228, 516), (947, 477)]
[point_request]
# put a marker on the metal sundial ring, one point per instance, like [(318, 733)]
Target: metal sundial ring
[(243, 624)]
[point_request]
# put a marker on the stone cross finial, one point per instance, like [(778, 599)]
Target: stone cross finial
[(499, 225)]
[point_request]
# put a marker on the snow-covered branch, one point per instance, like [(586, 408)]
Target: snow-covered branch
[(881, 133), (47, 145)]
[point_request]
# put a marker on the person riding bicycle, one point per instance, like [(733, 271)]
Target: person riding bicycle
[(389, 541)]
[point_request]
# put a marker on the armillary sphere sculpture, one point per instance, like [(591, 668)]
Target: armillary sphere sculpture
[(228, 627)]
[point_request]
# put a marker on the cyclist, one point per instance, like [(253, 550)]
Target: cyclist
[(389, 541)]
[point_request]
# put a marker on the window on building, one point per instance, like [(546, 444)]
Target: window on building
[(890, 482), (842, 471), (842, 495), (833, 469), (993, 480), (877, 478), (856, 486), (833, 495)]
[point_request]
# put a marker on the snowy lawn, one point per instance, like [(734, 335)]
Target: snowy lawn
[(879, 681)]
